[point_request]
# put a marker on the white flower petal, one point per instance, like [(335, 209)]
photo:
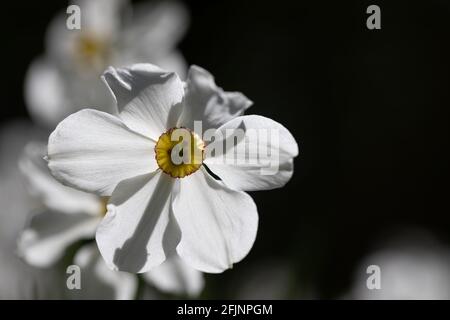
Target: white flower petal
[(60, 42), (101, 17), (208, 103), (145, 95), (50, 233), (172, 61), (100, 282), (176, 277), (247, 173), (155, 29), (47, 189), (218, 225), (93, 151), (134, 235), (53, 93), (44, 93)]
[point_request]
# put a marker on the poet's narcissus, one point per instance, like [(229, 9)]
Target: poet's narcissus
[(157, 207)]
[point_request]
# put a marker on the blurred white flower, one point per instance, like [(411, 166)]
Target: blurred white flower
[(18, 280), (211, 224), (413, 269), (66, 77), (67, 216)]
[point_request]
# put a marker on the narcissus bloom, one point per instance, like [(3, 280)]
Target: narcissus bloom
[(112, 32), (159, 207)]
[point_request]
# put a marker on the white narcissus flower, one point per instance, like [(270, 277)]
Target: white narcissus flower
[(151, 215), (66, 216), (112, 33)]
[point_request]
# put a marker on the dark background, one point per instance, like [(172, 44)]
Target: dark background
[(369, 108)]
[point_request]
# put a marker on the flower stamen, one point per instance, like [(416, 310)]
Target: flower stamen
[(103, 205), (179, 152), (91, 51)]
